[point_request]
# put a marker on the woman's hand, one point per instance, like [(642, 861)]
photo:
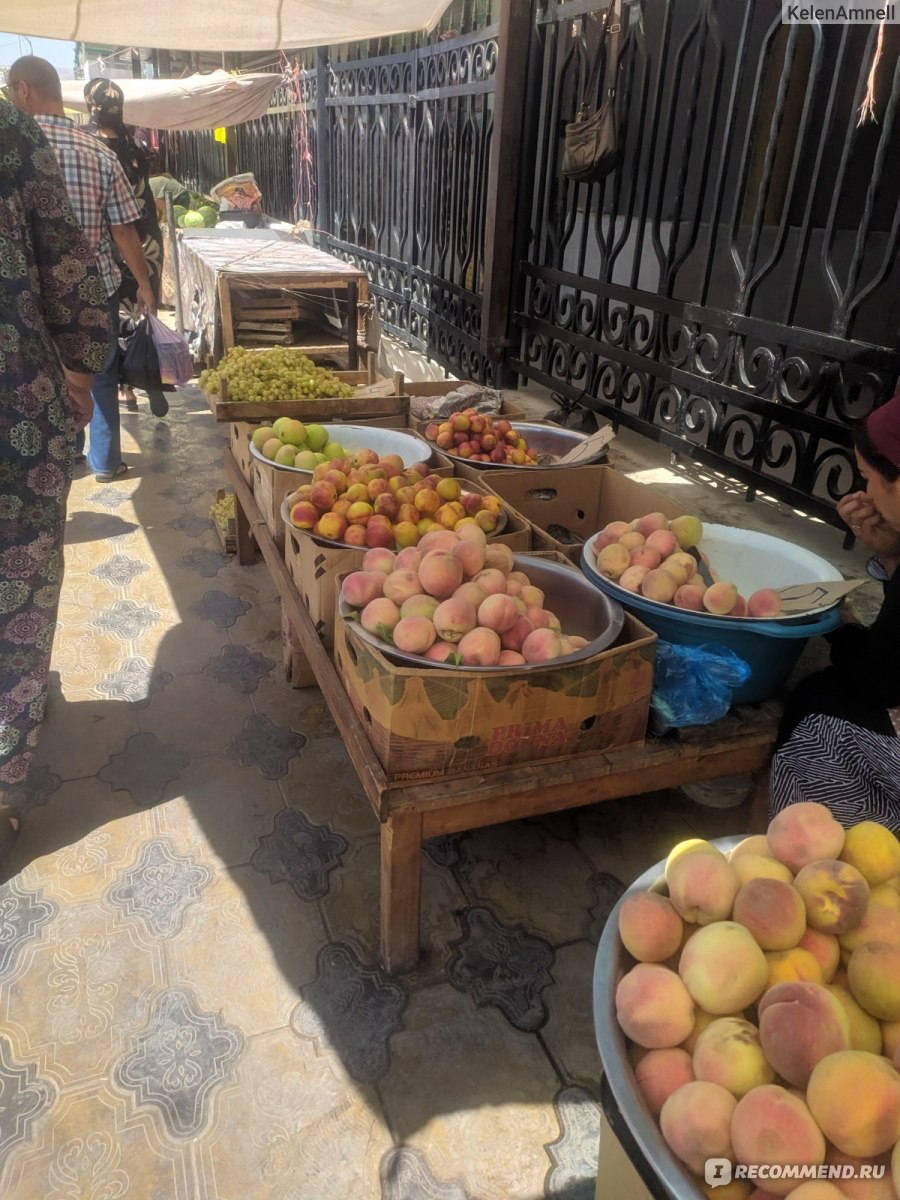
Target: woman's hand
[(867, 524), (80, 397)]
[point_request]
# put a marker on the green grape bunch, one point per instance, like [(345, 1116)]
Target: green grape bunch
[(265, 376), (223, 510)]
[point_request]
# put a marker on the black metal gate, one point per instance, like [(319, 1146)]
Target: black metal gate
[(406, 156), (732, 289)]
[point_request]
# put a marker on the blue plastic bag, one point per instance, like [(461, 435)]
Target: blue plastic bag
[(692, 685)]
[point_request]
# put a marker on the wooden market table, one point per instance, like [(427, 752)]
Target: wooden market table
[(220, 269), (411, 812)]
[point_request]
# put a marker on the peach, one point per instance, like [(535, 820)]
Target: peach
[(541, 645), (632, 578), (480, 648), (408, 559), (616, 528), (304, 514), (441, 652), (702, 887), (645, 556), (689, 597), (720, 598), (602, 540), (799, 1024), (882, 895), (510, 658), (414, 635), (879, 924), (866, 1185), (471, 555), (491, 580), (653, 1006), (333, 526), (825, 949), (890, 1035), (359, 587), (873, 850), (650, 523), (406, 536), (817, 1189), (740, 607), (377, 535), (689, 846), (773, 1127), (632, 540), (757, 843), (379, 559), (738, 1189), (728, 1052), (757, 866), (454, 618), (660, 1073), (764, 603), (663, 541), (532, 596), (419, 605), (702, 1020), (835, 894), (355, 535), (696, 1122), (688, 530), (873, 974), (498, 612), (659, 585), (855, 1099), (865, 1032), (792, 966), (438, 539), (650, 928), (723, 968), (613, 560), (499, 557), (360, 512), (514, 638), (804, 833), (773, 911), (680, 563), (440, 574), (401, 584), (380, 616)]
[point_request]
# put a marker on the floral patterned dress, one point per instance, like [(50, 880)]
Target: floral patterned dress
[(52, 308)]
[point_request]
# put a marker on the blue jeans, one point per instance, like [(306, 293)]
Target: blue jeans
[(105, 449)]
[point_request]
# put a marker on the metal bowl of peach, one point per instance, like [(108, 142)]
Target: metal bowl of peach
[(584, 613)]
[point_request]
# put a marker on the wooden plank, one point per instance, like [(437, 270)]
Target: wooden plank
[(401, 891), (225, 315), (367, 766)]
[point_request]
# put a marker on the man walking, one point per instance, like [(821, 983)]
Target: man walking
[(105, 205)]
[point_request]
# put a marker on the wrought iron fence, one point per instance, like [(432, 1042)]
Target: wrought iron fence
[(194, 157), (731, 290)]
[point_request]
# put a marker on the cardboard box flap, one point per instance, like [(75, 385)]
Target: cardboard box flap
[(814, 597)]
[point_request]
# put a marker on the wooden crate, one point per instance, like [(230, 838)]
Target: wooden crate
[(428, 723), (227, 533), (241, 433), (289, 297)]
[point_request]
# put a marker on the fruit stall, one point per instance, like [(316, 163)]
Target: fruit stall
[(495, 681)]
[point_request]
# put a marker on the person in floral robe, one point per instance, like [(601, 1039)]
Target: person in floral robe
[(54, 336)]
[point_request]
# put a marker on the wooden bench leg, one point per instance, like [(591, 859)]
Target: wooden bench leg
[(401, 887), (246, 546)]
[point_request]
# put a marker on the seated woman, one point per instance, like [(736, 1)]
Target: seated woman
[(839, 742)]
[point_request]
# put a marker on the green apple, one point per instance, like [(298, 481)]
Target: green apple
[(316, 437), (262, 435), (279, 424), (270, 448), (293, 432), (320, 457), (333, 450), (306, 460)]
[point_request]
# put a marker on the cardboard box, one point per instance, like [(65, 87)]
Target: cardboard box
[(241, 433), (508, 410), (428, 723), (270, 486), (315, 566), (567, 505)]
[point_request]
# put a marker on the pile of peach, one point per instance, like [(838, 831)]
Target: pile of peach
[(455, 598), (649, 556), (764, 1006), (372, 501), (474, 435)]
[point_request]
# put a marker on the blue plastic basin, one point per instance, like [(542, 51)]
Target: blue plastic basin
[(770, 648)]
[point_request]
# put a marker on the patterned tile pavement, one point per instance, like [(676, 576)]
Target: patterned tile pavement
[(191, 1003)]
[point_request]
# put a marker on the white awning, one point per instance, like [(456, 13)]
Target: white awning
[(198, 102), (222, 25)]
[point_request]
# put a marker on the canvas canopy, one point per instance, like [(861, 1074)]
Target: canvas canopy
[(198, 102), (220, 25)]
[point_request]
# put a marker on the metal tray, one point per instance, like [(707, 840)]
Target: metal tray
[(546, 438), (610, 965), (582, 611), (502, 522), (410, 447)]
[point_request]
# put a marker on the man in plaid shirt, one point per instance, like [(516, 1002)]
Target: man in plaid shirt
[(105, 205)]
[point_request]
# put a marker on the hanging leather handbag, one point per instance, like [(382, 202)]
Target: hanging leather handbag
[(591, 148)]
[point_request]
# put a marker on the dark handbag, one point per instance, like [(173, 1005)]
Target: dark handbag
[(140, 362), (591, 147)]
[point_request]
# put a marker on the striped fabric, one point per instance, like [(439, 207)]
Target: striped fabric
[(853, 771)]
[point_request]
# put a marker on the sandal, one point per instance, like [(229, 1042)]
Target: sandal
[(109, 476)]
